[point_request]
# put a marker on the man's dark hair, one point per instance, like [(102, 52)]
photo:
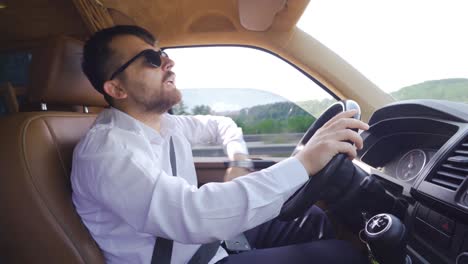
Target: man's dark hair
[(97, 55)]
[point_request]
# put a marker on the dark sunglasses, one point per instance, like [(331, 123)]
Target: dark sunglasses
[(151, 56)]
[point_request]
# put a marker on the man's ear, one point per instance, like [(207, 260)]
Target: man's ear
[(115, 90)]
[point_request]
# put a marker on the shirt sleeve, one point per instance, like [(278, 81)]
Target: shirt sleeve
[(153, 202), (208, 129)]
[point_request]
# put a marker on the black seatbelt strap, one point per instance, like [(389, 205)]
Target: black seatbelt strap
[(172, 157), (162, 251), (205, 253)]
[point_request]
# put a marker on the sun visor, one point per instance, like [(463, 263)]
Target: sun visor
[(258, 15)]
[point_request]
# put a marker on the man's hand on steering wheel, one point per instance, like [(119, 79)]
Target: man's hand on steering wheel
[(332, 138)]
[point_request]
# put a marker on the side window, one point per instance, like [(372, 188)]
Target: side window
[(273, 102), (13, 79)]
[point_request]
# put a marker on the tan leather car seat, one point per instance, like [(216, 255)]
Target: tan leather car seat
[(38, 222)]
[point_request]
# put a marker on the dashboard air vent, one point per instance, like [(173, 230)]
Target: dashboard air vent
[(453, 171)]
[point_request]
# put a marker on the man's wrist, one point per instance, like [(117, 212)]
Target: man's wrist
[(240, 156), (307, 166), (245, 163)]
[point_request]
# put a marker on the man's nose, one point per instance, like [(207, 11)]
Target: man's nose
[(167, 64)]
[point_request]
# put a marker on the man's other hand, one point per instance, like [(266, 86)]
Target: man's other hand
[(330, 140)]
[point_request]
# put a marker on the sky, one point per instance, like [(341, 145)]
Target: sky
[(393, 43), (240, 67)]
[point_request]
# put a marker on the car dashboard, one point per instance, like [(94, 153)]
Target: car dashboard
[(418, 149)]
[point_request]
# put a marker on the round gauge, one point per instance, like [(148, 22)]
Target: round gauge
[(411, 164)]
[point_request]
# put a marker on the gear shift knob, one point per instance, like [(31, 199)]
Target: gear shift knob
[(386, 236)]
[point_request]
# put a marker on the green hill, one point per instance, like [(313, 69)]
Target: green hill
[(446, 89)]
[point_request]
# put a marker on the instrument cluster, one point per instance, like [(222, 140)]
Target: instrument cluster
[(408, 165)]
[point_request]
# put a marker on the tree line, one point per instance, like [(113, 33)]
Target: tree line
[(281, 117)]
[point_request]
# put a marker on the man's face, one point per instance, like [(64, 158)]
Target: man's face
[(148, 88)]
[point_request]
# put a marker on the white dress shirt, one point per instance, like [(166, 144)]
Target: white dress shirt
[(126, 195)]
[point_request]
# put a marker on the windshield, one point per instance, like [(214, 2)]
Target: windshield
[(411, 49)]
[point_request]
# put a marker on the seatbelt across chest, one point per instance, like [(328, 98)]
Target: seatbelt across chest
[(162, 251)]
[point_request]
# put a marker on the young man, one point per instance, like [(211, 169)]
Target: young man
[(123, 175)]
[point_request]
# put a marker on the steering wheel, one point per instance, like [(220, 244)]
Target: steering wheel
[(333, 181)]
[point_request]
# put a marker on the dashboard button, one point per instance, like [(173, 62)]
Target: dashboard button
[(432, 236), (446, 225)]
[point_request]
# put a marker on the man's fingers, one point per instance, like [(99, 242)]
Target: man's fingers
[(348, 149), (332, 138), (345, 114), (348, 135), (350, 123)]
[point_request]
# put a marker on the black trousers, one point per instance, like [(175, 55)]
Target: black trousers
[(309, 239)]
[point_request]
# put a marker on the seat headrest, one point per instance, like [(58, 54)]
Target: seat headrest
[(56, 76)]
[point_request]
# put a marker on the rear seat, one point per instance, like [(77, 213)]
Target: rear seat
[(38, 222)]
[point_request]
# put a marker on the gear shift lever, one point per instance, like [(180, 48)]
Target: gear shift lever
[(386, 236)]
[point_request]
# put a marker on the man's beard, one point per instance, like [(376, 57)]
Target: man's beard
[(160, 103), (157, 102)]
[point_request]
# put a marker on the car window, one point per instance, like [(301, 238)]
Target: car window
[(273, 102), (3, 108), (14, 69)]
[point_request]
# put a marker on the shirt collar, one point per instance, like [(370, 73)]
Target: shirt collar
[(126, 121)]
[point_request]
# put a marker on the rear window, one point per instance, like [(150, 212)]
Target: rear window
[(14, 68), (14, 71)]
